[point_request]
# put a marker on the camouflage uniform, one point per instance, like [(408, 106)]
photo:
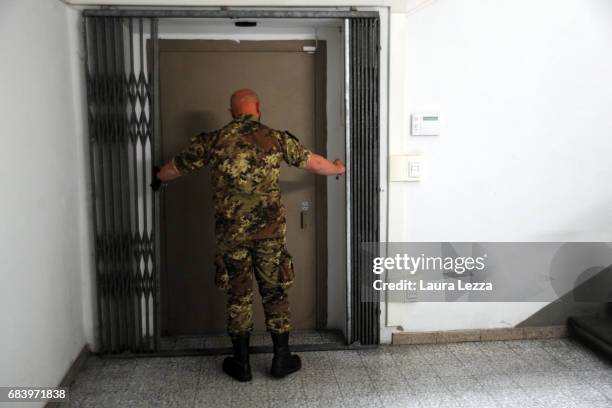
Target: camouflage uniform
[(250, 221)]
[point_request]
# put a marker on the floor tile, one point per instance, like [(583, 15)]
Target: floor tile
[(556, 373)]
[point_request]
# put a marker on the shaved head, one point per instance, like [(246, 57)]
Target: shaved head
[(244, 101)]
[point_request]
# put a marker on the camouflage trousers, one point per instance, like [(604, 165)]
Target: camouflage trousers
[(270, 263)]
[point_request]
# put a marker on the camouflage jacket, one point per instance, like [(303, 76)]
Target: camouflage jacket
[(244, 158)]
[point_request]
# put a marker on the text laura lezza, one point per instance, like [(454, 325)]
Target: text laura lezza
[(432, 286)]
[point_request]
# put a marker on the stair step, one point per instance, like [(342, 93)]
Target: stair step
[(594, 330)]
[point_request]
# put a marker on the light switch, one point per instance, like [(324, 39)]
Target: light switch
[(405, 168), (414, 169)]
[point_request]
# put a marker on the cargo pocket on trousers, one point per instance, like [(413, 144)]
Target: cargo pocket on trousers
[(222, 280), (286, 274)]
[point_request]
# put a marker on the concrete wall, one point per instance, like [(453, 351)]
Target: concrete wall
[(41, 242), (525, 99)]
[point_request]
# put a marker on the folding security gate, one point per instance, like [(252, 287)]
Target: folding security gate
[(363, 156), (123, 130), (122, 73)]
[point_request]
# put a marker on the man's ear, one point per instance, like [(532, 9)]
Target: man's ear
[(258, 111), (230, 112)]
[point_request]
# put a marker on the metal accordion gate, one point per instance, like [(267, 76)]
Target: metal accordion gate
[(122, 75), (123, 131), (362, 47)]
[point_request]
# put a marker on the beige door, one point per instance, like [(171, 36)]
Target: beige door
[(197, 79)]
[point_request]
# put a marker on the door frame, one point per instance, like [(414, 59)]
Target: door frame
[(363, 221)]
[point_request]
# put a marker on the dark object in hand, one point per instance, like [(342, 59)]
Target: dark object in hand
[(156, 182)]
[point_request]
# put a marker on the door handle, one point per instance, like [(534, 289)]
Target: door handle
[(305, 206)]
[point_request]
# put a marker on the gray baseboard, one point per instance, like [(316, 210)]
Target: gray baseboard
[(72, 373), (457, 336)]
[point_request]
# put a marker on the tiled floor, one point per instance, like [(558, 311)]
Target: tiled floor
[(550, 373)]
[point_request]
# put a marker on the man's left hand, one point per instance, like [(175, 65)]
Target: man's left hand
[(156, 182)]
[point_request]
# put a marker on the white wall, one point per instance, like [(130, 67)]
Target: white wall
[(41, 249), (524, 92), (85, 220)]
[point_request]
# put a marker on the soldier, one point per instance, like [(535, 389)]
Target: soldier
[(250, 227)]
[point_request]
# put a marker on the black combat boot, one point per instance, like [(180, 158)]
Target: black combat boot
[(238, 366), (284, 362)]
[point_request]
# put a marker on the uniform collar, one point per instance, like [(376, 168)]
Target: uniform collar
[(244, 117)]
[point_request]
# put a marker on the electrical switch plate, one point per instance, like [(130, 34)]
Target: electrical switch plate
[(425, 124), (405, 168), (414, 169)]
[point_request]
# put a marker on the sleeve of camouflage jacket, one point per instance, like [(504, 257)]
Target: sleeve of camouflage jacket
[(294, 153), (196, 155)]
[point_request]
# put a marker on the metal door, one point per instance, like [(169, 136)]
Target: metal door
[(197, 78)]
